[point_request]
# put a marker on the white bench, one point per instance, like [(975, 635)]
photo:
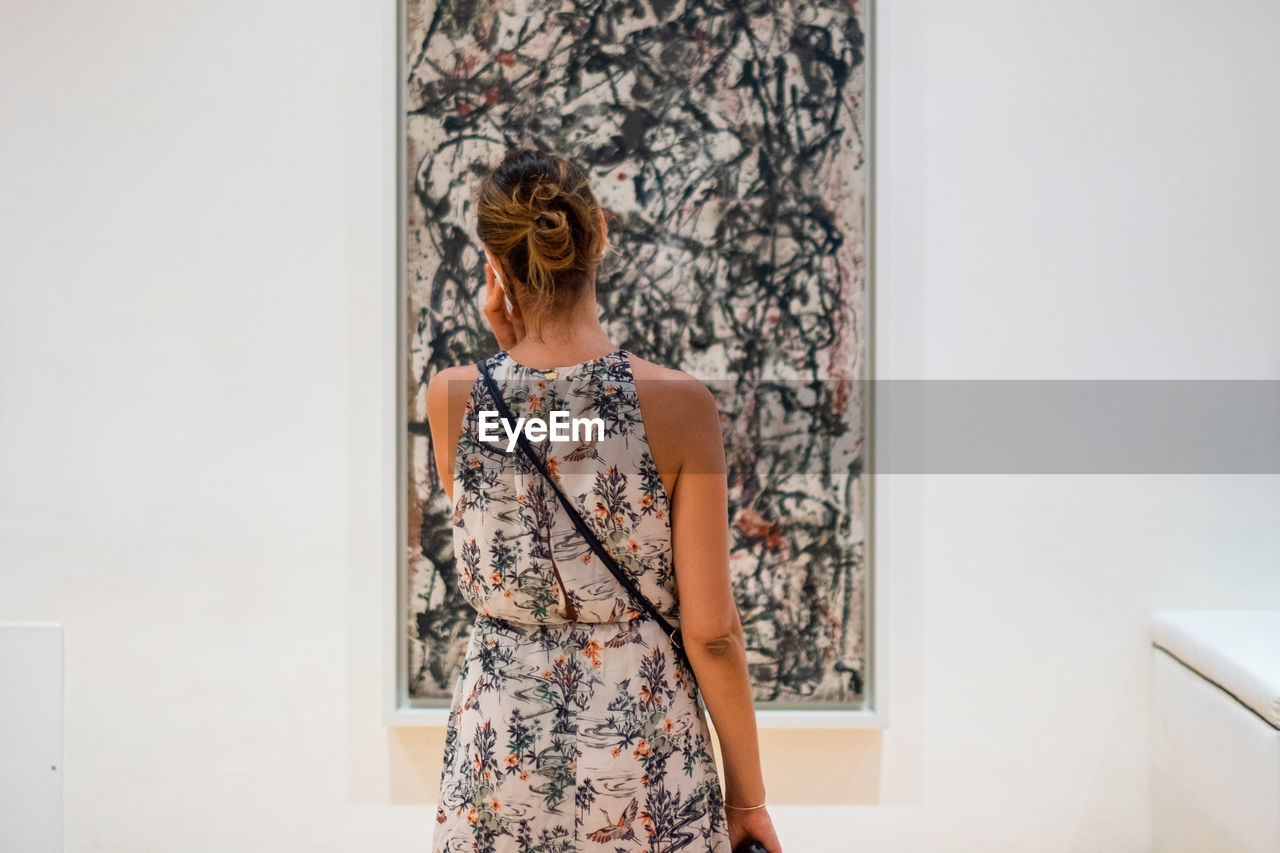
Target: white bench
[(1215, 784)]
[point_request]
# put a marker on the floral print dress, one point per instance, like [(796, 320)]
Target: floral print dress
[(574, 724)]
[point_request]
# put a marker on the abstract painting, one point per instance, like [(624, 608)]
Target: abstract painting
[(728, 143)]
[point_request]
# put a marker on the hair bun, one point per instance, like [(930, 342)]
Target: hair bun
[(535, 211), (543, 193), (549, 220), (551, 243)]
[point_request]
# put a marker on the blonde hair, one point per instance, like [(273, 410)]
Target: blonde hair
[(537, 215)]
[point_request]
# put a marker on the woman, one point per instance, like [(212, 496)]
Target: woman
[(575, 725)]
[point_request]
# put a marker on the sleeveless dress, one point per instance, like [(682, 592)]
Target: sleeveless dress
[(574, 725)]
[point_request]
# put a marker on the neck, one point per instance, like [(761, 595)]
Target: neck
[(567, 338)]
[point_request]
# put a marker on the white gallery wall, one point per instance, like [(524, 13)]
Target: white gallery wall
[(196, 218)]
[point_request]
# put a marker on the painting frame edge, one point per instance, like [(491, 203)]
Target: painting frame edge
[(398, 708)]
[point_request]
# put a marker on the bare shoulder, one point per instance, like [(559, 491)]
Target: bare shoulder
[(452, 383), (458, 371), (681, 420), (448, 392), (669, 388)]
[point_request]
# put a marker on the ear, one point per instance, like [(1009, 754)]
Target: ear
[(604, 229)]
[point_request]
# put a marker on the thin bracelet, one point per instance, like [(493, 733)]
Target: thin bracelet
[(743, 808)]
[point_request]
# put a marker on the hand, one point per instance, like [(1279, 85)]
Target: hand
[(508, 329), (756, 824)]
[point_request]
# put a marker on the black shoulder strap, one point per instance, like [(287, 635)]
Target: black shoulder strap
[(602, 552)]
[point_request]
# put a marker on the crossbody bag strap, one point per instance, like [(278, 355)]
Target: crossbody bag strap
[(595, 543)]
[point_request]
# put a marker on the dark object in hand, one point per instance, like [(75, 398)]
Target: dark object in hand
[(750, 845)]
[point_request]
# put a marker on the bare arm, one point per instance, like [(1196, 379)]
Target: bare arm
[(709, 619), (447, 396)]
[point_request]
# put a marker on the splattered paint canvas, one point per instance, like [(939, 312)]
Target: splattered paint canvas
[(727, 142)]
